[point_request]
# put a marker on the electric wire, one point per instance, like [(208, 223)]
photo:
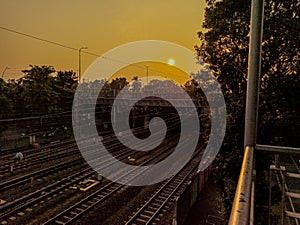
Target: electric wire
[(86, 52)]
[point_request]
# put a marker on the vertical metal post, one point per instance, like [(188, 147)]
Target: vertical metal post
[(240, 213), (283, 196), (79, 65), (270, 197), (252, 204), (254, 64), (79, 62)]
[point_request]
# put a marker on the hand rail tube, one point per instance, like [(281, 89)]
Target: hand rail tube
[(277, 149), (240, 213)]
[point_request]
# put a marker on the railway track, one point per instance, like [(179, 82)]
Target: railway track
[(39, 158), (10, 184), (12, 209), (26, 203), (7, 155), (158, 204), (77, 210), (10, 153)]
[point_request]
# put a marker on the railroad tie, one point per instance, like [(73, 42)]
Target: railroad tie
[(67, 217), (140, 220), (153, 208), (148, 211), (156, 204), (80, 209), (145, 216)]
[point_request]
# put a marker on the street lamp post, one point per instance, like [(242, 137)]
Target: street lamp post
[(79, 63)]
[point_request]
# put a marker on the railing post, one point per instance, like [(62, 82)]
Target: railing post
[(254, 64), (240, 213), (270, 196), (283, 197)]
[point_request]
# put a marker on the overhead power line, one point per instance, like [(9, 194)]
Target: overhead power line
[(45, 40), (76, 49), (62, 45), (37, 117)]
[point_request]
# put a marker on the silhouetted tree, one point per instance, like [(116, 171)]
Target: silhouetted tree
[(224, 48)]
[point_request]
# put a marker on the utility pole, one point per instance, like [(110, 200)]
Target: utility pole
[(79, 63)]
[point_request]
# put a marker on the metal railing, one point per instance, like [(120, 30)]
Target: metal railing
[(242, 211)]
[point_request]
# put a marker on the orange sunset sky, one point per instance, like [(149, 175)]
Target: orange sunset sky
[(100, 25)]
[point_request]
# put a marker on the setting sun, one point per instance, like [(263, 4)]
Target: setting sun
[(171, 62)]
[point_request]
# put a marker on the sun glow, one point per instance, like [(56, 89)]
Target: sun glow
[(171, 62)]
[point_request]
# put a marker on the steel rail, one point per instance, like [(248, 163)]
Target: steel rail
[(44, 158), (72, 213), (32, 151), (166, 191), (26, 178), (50, 190)]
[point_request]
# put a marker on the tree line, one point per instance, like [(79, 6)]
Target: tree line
[(44, 91), (41, 90)]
